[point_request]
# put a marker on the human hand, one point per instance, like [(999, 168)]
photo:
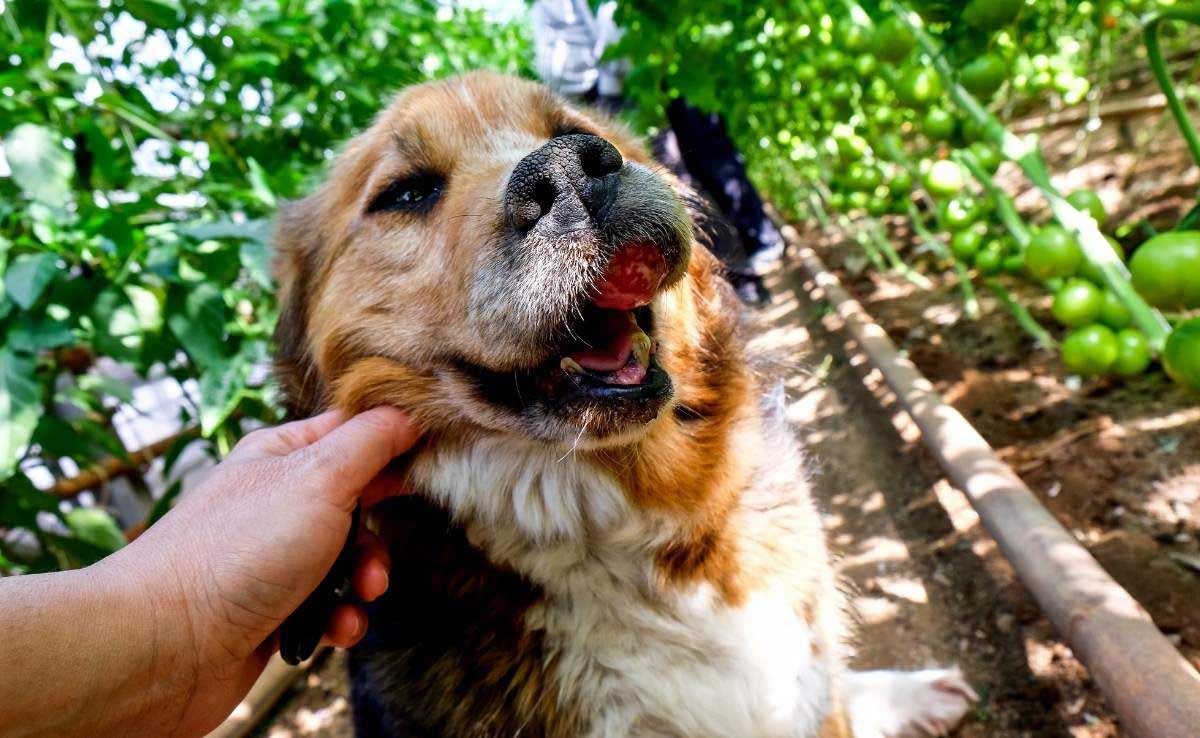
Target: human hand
[(242, 550)]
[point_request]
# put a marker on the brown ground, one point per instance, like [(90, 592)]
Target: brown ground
[(1117, 462)]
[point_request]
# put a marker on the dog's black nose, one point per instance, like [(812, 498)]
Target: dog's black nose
[(570, 178)]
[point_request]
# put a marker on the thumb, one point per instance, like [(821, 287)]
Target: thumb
[(351, 455)]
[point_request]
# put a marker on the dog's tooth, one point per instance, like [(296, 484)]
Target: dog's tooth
[(570, 366), (642, 346)]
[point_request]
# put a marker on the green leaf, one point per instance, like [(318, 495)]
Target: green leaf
[(28, 276), (146, 307), (199, 324), (162, 13), (221, 388), (256, 260), (252, 230), (163, 504), (95, 526), (40, 165), (33, 333), (56, 437), (101, 385), (20, 408), (72, 552), (20, 502), (260, 184)]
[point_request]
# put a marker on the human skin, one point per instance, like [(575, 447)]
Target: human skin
[(167, 635)]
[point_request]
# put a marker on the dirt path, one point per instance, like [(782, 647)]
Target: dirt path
[(928, 585)]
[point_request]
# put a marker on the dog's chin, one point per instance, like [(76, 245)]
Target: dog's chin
[(602, 386)]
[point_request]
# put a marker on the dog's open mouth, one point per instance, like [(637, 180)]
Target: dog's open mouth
[(612, 344), (606, 356)]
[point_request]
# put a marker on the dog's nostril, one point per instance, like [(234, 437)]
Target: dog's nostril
[(544, 194), (600, 159)]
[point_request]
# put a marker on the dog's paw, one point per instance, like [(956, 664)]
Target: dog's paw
[(907, 704)]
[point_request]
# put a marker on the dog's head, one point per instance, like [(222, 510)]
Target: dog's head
[(486, 255)]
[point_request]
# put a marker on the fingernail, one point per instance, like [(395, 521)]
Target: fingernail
[(360, 629), (383, 572)]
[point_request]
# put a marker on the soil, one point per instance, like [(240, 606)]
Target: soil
[(1117, 462)]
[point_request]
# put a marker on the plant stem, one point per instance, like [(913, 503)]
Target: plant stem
[(1006, 208), (875, 233), (1158, 66), (969, 298), (1026, 155), (1024, 319)]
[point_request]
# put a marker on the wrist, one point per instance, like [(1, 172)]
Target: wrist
[(157, 658)]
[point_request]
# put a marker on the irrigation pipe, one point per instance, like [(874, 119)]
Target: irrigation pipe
[(1151, 687)]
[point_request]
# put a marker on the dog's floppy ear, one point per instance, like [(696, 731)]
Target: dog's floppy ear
[(298, 239)]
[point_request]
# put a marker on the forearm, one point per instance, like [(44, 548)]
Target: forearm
[(86, 653)]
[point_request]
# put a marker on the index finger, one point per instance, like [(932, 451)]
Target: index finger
[(351, 455)]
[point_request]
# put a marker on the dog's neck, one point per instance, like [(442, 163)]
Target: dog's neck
[(658, 508)]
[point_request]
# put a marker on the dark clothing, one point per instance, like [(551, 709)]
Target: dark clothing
[(714, 163)]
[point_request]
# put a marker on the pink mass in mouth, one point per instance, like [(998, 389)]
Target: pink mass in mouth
[(615, 353), (633, 276)]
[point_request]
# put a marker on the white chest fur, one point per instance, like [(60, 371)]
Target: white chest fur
[(641, 656)]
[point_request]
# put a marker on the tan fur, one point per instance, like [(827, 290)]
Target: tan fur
[(386, 308)]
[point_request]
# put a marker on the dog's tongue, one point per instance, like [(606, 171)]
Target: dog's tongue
[(634, 274), (612, 359)]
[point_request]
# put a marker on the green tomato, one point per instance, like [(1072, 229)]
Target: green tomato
[(901, 183), (1133, 353), (857, 200), (945, 178), (990, 258), (1052, 252), (988, 15), (966, 243), (831, 60), (958, 213), (1079, 302), (919, 86), (987, 156), (983, 75), (1014, 263), (837, 201), (1090, 350), (862, 177), (878, 206), (1115, 314), (1166, 270), (1182, 354), (1089, 202), (851, 147), (841, 91), (1089, 271), (864, 66), (855, 37), (939, 124), (893, 40)]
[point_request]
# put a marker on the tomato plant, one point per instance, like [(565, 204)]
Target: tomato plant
[(1052, 252), (1182, 354), (1090, 350), (1166, 270)]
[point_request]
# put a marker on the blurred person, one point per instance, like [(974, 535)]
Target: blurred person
[(166, 636), (570, 39)]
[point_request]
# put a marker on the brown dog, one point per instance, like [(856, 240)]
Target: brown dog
[(613, 535)]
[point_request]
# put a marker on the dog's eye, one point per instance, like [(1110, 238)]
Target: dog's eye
[(416, 193)]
